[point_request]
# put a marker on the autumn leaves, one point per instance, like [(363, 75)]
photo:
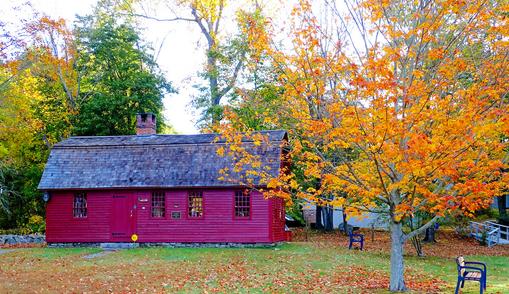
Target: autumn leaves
[(393, 106)]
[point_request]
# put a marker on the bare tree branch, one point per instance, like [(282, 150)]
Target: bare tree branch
[(160, 19)]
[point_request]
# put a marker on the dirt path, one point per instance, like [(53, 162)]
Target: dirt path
[(98, 254)]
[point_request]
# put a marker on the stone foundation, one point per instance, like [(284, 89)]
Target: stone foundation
[(120, 245), (22, 239), (71, 245), (210, 245)]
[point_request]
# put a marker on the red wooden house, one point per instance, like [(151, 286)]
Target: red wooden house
[(161, 188)]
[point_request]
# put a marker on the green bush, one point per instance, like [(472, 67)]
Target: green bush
[(484, 237), (36, 224), (460, 224), (18, 231), (486, 214)]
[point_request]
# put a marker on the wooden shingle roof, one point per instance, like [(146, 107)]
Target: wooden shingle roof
[(152, 161)]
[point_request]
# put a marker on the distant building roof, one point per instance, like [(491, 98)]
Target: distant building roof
[(153, 161)]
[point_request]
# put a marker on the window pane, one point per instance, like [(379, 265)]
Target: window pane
[(195, 204), (80, 205), (158, 204), (242, 204)]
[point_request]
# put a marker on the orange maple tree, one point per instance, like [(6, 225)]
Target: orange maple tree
[(39, 84), (402, 105), (53, 45)]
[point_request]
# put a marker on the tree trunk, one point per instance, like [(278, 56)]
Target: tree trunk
[(397, 266), (318, 222), (502, 205), (328, 217), (429, 235), (345, 223), (416, 241), (502, 210), (418, 246)]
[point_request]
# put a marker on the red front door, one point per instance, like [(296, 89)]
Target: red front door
[(122, 218)]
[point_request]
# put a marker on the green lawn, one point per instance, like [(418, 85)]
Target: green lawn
[(295, 267)]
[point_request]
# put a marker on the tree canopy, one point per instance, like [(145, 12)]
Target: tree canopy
[(119, 77), (57, 81), (394, 107), (401, 105)]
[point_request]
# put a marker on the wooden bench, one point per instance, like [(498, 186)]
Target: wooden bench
[(470, 271), (356, 238)]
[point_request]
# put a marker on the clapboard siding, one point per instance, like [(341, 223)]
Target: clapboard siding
[(218, 223), (277, 221), (61, 226), (119, 173)]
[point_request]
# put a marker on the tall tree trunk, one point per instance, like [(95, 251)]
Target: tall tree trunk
[(324, 218), (318, 222), (397, 265), (502, 205), (345, 222), (429, 235), (213, 81), (502, 210), (328, 217)]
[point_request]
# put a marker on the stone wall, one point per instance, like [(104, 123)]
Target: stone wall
[(121, 245), (210, 245), (22, 239)]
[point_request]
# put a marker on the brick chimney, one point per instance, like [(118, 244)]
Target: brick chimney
[(145, 124)]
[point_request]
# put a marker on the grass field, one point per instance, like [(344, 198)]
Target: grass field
[(317, 266)]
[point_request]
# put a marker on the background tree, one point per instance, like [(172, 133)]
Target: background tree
[(225, 49), (34, 113), (120, 77), (22, 150), (418, 90), (503, 217), (55, 82)]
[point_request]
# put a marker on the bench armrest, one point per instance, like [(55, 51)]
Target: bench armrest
[(357, 238), (478, 263), (472, 268)]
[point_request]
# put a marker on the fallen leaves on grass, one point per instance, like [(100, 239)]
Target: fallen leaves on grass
[(449, 244), (319, 265), (291, 270), (23, 245)]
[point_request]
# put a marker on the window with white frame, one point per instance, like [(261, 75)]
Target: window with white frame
[(195, 204), (158, 204), (79, 206), (242, 204)]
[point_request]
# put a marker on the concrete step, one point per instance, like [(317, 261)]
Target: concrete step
[(99, 254), (119, 245)]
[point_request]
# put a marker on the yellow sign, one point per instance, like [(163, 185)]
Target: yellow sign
[(134, 237)]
